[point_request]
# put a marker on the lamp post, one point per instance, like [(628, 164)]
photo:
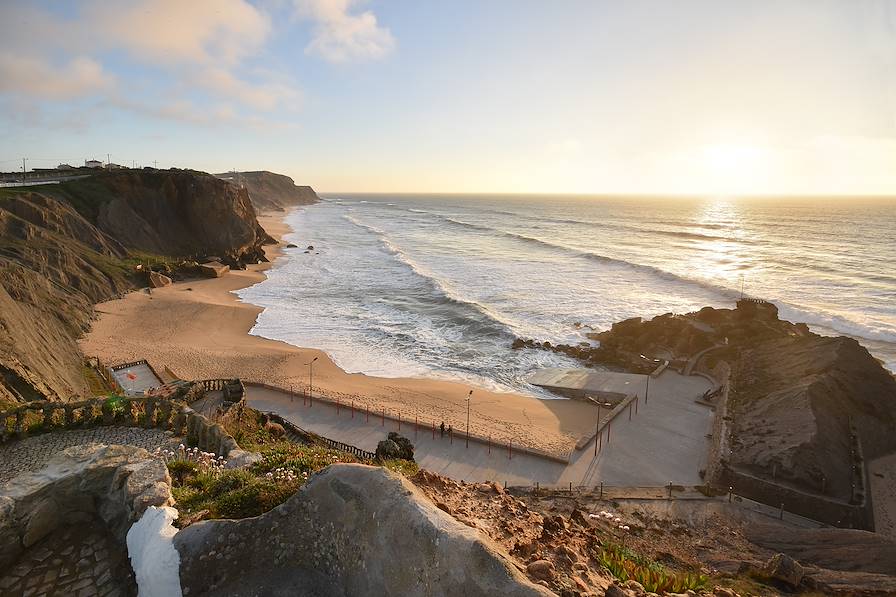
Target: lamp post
[(647, 390), (311, 376), (469, 398)]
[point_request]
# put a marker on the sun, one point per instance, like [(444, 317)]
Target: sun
[(734, 167)]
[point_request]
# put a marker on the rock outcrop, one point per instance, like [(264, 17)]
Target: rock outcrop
[(799, 405), (269, 191), (114, 484), (351, 530)]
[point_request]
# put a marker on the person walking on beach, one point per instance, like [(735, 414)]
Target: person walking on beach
[(450, 432), (442, 429)]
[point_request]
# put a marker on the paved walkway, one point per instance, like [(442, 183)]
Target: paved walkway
[(33, 453), (664, 442), (82, 560)]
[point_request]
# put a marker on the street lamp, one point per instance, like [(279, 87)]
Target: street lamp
[(469, 398), (597, 422), (311, 376), (647, 390)]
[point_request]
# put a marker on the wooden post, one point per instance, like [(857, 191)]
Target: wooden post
[(353, 409), (608, 430), (367, 420), (489, 443), (629, 411)]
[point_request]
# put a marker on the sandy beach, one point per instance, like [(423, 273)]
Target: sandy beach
[(200, 329)]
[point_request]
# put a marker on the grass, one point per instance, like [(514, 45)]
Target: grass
[(625, 565)]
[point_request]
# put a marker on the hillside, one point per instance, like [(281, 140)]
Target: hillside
[(65, 247), (269, 191)]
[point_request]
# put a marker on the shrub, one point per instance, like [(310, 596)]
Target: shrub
[(627, 565)]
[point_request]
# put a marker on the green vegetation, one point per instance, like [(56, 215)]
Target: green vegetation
[(241, 493), (408, 468), (625, 565)]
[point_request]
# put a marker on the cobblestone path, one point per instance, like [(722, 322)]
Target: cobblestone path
[(32, 453), (72, 561)]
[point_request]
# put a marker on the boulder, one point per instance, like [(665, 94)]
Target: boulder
[(291, 246), (784, 569), (541, 569), (350, 530), (387, 450), (157, 280), (406, 448), (310, 247)]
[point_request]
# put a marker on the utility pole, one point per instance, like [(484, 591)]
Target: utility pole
[(469, 398), (155, 164), (108, 160), (23, 170)]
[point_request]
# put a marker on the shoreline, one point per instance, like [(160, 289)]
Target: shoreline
[(200, 329)]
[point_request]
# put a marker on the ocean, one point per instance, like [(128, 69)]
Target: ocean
[(440, 285)]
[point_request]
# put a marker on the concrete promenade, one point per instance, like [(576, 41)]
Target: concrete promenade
[(664, 442)]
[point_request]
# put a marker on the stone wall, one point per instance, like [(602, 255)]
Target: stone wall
[(351, 530), (112, 483)]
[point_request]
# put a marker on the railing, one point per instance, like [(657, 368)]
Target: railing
[(315, 438), (385, 414)]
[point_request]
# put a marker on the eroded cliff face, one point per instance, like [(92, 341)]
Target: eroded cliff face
[(65, 247), (269, 191), (176, 212)]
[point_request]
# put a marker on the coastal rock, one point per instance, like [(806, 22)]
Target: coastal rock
[(350, 530), (291, 246)]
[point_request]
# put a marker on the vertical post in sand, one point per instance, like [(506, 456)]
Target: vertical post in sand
[(489, 443), (510, 449), (629, 411), (353, 409), (600, 440), (608, 431)]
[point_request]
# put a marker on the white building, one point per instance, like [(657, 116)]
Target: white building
[(93, 164)]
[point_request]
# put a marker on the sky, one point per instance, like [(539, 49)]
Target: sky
[(517, 96)]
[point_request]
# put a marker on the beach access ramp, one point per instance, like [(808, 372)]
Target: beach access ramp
[(578, 383)]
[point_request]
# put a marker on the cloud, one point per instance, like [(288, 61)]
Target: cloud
[(259, 94), (29, 76), (172, 31), (340, 36), (178, 57)]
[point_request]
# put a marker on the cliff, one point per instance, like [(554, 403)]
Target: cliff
[(269, 191), (65, 247)]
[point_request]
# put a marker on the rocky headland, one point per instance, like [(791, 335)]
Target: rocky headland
[(270, 191), (794, 409)]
